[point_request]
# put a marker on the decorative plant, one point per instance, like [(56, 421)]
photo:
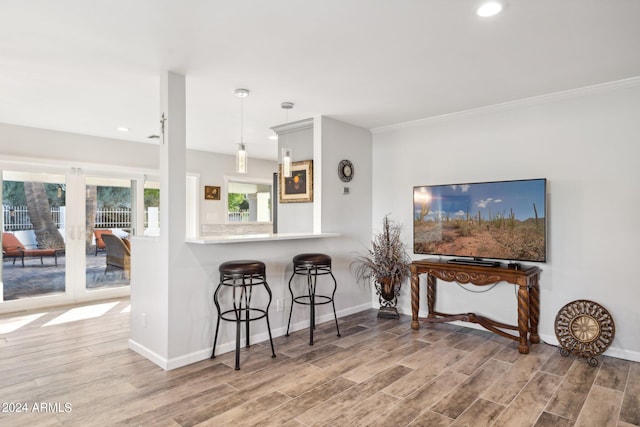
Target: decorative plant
[(387, 264)]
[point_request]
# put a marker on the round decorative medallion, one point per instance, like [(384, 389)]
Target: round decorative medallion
[(345, 170), (584, 328)]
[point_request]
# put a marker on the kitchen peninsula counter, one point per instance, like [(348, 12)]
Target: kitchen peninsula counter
[(264, 237)]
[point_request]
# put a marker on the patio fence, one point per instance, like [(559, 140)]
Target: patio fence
[(241, 216), (17, 217)]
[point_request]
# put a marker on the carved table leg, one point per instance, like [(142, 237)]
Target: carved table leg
[(431, 295), (415, 297), (534, 310), (523, 318)]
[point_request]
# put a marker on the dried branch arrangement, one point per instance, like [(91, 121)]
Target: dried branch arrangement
[(387, 262)]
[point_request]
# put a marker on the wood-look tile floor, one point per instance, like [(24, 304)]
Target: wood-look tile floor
[(380, 373)]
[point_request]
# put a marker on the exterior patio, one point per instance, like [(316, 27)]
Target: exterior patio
[(36, 279)]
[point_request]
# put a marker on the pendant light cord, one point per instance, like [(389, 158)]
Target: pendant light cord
[(242, 120), (286, 135)]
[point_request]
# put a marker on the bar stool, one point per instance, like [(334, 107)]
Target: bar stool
[(312, 265), (242, 277)]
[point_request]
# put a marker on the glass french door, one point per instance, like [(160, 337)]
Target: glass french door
[(50, 222), (34, 213), (110, 209)]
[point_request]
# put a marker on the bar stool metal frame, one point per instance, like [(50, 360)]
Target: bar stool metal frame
[(242, 277), (312, 265)]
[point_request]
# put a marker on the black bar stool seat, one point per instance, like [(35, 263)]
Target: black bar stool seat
[(312, 265), (242, 276)]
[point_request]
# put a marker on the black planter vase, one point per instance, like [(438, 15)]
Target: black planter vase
[(388, 297)]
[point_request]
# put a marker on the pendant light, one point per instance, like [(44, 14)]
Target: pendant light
[(287, 152), (242, 158)]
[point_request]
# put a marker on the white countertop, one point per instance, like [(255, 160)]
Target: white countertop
[(266, 237)]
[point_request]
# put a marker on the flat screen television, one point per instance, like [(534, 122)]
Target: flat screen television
[(502, 220)]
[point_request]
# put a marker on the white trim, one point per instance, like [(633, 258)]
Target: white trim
[(59, 300), (293, 127), (225, 196), (327, 317), (75, 290), (62, 166), (611, 351), (222, 348), (621, 353), (317, 174), (534, 100), (152, 356)]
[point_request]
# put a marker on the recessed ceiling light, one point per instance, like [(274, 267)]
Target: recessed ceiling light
[(489, 8), (123, 129), (273, 137)]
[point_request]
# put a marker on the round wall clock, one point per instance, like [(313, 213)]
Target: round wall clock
[(584, 328), (345, 170)]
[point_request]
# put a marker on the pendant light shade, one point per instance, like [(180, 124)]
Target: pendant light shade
[(287, 152), (242, 159), (286, 162)]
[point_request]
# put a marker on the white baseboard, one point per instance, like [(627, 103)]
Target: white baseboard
[(619, 353), (325, 318), (225, 347), (152, 356)]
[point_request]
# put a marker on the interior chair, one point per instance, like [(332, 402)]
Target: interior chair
[(12, 247), (241, 277), (118, 253), (99, 242), (311, 266)]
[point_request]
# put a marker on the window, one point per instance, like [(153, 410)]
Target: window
[(248, 201)]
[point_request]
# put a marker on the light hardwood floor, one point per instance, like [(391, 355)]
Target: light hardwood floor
[(380, 372)]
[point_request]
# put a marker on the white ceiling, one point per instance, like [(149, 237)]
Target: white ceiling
[(89, 66)]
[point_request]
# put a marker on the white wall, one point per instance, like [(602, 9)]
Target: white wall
[(212, 169), (341, 212), (349, 214), (586, 143), (71, 148), (296, 217)]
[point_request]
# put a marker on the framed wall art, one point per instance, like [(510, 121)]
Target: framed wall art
[(211, 192), (299, 187)]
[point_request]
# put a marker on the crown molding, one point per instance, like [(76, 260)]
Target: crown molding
[(534, 100), (293, 126)]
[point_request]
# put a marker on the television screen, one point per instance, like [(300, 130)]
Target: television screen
[(496, 220)]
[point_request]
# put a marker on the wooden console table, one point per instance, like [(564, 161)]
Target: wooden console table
[(528, 296)]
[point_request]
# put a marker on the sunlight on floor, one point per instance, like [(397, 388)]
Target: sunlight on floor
[(80, 313), (15, 323), (127, 309)]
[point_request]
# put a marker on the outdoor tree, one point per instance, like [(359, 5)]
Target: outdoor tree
[(237, 202), (114, 197), (91, 206), (47, 234), (13, 193), (152, 197)]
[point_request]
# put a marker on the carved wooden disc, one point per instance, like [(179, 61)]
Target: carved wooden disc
[(585, 328)]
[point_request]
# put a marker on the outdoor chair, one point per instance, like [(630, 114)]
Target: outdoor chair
[(13, 248), (118, 253), (99, 242)]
